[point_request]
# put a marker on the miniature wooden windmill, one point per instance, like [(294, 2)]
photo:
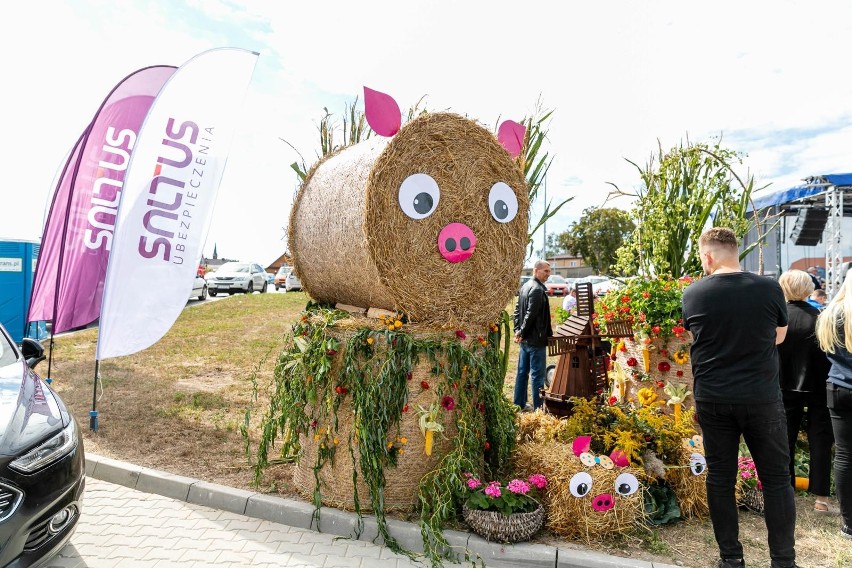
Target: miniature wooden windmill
[(582, 365)]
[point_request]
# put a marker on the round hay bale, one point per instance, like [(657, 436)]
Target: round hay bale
[(402, 483), (689, 483), (353, 244), (576, 517)]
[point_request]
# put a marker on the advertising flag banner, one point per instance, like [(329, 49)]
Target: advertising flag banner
[(78, 232), (167, 200)]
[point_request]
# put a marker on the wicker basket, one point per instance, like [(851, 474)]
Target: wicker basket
[(495, 526), (751, 498)]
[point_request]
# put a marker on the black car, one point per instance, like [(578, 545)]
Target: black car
[(42, 469)]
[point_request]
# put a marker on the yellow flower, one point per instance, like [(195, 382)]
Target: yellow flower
[(397, 324), (391, 327), (390, 445), (646, 396), (336, 441), (403, 440), (401, 451), (316, 437), (680, 357), (370, 340)]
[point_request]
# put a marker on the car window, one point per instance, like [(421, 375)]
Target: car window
[(8, 355), (283, 270), (234, 267)]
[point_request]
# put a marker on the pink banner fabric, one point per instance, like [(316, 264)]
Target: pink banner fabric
[(167, 203), (78, 233)]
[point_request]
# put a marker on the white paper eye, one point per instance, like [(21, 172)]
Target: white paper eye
[(697, 463), (419, 195), (502, 202), (580, 484), (626, 484)]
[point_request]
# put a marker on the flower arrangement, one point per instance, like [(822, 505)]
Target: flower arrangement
[(651, 305), (747, 474), (516, 496)]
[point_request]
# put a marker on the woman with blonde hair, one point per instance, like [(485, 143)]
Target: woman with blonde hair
[(834, 333), (803, 370)]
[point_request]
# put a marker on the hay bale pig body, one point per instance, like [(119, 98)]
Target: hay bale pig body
[(431, 223)]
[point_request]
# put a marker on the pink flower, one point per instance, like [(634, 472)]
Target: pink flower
[(448, 403), (460, 334), (474, 483), (538, 480), (493, 489), (518, 486)]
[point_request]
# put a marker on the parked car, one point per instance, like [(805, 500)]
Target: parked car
[(199, 289), (601, 284), (237, 277), (292, 282), (556, 285), (281, 276), (270, 279), (42, 468)]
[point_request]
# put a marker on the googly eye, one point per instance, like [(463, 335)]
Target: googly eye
[(419, 195), (698, 464), (580, 484), (626, 484), (502, 202)]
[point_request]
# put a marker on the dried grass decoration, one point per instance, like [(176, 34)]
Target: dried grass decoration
[(387, 224), (362, 401), (688, 479), (585, 502)]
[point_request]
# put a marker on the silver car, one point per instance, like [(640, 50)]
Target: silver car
[(292, 282), (237, 277)]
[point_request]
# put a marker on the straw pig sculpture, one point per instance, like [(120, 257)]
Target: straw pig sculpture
[(431, 223), (689, 481)]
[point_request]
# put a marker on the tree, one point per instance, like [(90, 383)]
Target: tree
[(597, 236), (693, 187)]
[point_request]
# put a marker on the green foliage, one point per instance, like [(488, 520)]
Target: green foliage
[(661, 507), (372, 368), (688, 189), (597, 236)]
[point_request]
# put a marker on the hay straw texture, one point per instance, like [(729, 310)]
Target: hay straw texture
[(353, 244), (571, 516), (690, 489), (402, 483)]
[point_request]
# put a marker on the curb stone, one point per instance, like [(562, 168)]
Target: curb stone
[(299, 514)]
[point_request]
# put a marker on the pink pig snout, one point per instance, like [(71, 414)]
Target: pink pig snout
[(456, 242), (603, 502)]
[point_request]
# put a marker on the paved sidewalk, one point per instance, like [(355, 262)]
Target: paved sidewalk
[(140, 517)]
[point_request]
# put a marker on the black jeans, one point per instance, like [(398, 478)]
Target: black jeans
[(764, 427), (820, 437), (840, 407)]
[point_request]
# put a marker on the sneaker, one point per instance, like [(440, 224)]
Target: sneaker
[(730, 563), (846, 532)]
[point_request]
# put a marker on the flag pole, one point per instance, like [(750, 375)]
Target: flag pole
[(93, 414)]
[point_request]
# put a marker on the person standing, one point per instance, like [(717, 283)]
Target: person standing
[(817, 299), (814, 274), (804, 370), (834, 333), (737, 318), (532, 328), (570, 301)]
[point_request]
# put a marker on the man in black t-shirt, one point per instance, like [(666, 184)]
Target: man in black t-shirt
[(737, 319)]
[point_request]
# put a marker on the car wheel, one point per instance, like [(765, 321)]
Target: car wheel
[(263, 290), (213, 293), (548, 375), (203, 295), (250, 288), (277, 287)]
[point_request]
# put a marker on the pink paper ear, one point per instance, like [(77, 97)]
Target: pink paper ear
[(382, 112), (619, 458), (581, 444), (511, 136)]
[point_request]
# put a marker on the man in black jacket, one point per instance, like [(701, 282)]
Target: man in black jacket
[(532, 328)]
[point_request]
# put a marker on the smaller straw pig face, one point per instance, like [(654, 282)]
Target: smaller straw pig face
[(596, 481), (446, 215)]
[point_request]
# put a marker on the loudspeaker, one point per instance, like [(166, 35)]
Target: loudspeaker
[(809, 225)]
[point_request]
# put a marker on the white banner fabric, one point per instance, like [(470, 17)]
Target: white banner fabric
[(167, 202)]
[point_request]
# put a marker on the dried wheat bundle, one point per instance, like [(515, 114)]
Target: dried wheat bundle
[(353, 243)]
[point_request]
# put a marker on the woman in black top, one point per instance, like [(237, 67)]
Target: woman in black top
[(834, 332), (804, 370)]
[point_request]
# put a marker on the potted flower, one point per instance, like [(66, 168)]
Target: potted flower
[(504, 512), (749, 486)]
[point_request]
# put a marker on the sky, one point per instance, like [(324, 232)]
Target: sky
[(622, 77)]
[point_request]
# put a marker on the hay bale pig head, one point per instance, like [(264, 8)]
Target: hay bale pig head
[(688, 479), (616, 482), (444, 219)]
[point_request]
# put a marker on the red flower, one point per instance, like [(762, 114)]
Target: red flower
[(656, 329), (481, 407), (663, 366), (341, 390), (487, 446), (612, 400), (677, 330), (679, 373), (405, 408), (646, 294), (625, 299), (623, 347), (460, 334), (331, 352), (613, 356), (408, 375), (632, 361), (660, 384), (448, 403), (424, 385)]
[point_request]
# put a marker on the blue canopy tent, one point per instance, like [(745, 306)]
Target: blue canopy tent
[(819, 206)]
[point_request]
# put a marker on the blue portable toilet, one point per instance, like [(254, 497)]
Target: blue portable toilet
[(17, 268)]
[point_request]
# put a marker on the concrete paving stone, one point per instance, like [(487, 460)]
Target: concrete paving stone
[(235, 557), (360, 550), (316, 537), (494, 554), (338, 562), (254, 546), (165, 551), (279, 536), (124, 541), (243, 524), (164, 483), (294, 548), (198, 555), (217, 534), (301, 561), (380, 563)]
